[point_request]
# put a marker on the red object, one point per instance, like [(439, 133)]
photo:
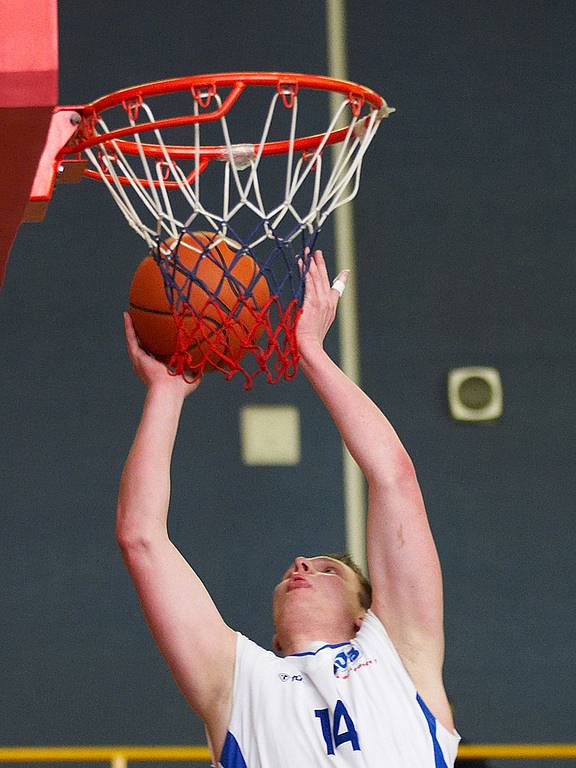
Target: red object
[(63, 125), (221, 318), (203, 89), (28, 94)]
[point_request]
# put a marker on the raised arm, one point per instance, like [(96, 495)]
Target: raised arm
[(185, 623), (402, 560)]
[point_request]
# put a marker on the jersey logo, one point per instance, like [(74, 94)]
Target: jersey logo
[(349, 660), (344, 659), (291, 678)]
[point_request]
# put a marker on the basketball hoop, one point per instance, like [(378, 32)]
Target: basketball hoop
[(173, 175)]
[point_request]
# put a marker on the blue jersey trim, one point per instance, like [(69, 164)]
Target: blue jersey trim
[(231, 756), (313, 653), (439, 761)]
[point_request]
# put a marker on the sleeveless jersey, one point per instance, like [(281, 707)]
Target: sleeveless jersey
[(351, 704)]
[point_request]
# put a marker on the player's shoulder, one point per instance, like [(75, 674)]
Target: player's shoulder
[(419, 672), (373, 630), (249, 653)]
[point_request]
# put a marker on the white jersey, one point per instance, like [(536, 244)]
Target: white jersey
[(351, 704)]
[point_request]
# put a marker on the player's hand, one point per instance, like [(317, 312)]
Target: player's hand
[(320, 304), (150, 370)]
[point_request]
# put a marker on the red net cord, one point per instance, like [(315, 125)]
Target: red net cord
[(240, 340)]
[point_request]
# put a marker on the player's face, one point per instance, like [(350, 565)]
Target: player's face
[(320, 582)]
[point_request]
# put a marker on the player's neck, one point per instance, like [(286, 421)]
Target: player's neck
[(309, 642)]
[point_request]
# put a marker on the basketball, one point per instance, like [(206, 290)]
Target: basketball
[(217, 325)]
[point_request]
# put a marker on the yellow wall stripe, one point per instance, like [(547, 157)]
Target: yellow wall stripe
[(202, 753)]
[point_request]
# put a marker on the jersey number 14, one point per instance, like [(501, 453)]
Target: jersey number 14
[(332, 733)]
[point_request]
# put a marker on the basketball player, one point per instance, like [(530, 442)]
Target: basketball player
[(356, 683)]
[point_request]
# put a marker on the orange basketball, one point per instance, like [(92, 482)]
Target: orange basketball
[(214, 300)]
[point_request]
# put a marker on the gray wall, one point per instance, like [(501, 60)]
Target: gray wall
[(465, 232)]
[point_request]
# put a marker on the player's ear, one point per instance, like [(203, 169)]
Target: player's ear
[(358, 621), (276, 644)]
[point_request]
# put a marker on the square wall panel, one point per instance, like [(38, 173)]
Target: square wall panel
[(270, 435)]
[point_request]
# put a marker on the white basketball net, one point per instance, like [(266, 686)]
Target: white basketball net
[(163, 195)]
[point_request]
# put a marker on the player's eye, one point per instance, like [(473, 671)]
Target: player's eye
[(329, 569)]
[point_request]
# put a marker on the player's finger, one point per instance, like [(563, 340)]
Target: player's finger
[(128, 327), (303, 259), (339, 284), (322, 271), (312, 280), (131, 338)]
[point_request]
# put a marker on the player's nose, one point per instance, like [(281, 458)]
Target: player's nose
[(302, 565)]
